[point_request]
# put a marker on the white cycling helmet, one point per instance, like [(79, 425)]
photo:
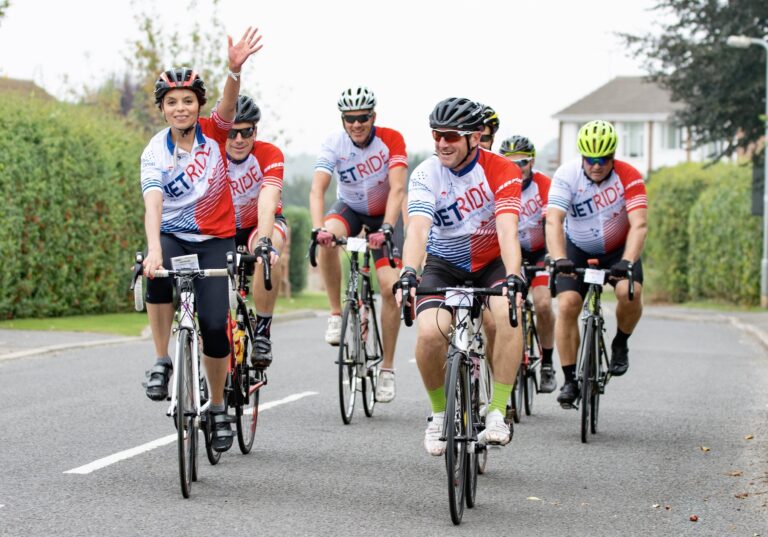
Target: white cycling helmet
[(357, 98)]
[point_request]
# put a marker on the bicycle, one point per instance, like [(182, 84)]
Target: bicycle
[(592, 365), (462, 422), (189, 394), (529, 372), (360, 349)]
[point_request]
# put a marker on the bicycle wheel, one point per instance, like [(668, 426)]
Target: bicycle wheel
[(455, 439), (518, 393), (373, 355), (587, 350), (349, 354), (484, 385), (185, 413), (245, 380), (594, 401), (205, 422), (469, 415)]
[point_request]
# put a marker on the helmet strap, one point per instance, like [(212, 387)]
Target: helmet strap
[(470, 150)]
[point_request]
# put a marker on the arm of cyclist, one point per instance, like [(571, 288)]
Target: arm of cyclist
[(633, 247), (269, 199), (153, 214), (511, 256), (237, 54), (555, 236), (413, 250), (320, 182), (397, 178)]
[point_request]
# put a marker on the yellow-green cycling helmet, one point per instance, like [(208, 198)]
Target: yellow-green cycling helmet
[(597, 139)]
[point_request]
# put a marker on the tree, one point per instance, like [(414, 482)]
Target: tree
[(4, 5), (723, 89)]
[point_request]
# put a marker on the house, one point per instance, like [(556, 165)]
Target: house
[(643, 114)]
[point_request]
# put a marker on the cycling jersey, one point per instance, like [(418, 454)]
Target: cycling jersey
[(263, 166), (533, 211), (363, 172), (463, 206), (196, 200), (596, 214)]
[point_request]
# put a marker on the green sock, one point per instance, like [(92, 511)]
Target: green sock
[(437, 398), (500, 397)]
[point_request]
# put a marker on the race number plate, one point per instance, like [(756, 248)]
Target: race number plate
[(356, 244), (594, 276), (458, 298), (188, 262)]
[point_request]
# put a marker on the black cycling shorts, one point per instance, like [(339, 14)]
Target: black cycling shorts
[(580, 258), (440, 273), (354, 222), (243, 238), (211, 294)]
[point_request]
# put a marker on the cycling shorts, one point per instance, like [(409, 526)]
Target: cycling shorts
[(244, 237), (580, 258)]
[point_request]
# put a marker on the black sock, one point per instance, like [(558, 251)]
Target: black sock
[(263, 325), (620, 339), (570, 373), (546, 356)]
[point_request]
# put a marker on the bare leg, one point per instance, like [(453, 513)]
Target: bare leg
[(160, 321)]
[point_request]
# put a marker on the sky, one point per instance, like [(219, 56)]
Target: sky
[(527, 59)]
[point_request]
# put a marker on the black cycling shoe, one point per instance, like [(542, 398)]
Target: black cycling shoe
[(568, 394), (157, 381), (261, 354), (619, 361), (548, 379), (221, 431)]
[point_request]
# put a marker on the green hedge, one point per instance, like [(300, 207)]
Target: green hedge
[(72, 209), (301, 228), (725, 248), (671, 194)]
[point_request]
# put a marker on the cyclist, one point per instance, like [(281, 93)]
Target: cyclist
[(463, 206), (255, 170), (533, 210), (490, 127), (188, 210), (372, 167), (604, 206)]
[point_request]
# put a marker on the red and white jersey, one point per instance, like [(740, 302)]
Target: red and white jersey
[(463, 206), (363, 172), (596, 214), (263, 166), (533, 211), (197, 204)]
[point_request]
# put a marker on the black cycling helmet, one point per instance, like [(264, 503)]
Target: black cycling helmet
[(457, 113), (247, 110), (179, 78), (490, 119), (517, 144)]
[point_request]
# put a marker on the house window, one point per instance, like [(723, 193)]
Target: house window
[(633, 139), (671, 136)]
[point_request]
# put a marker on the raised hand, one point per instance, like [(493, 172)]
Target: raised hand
[(240, 52)]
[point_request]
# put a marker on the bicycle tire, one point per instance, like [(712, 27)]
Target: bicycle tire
[(586, 380), (373, 355), (594, 401), (246, 403), (531, 342), (349, 354), (455, 448), (485, 384), (205, 420), (517, 393), (186, 432), (469, 414)]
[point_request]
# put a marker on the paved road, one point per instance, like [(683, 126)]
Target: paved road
[(691, 386)]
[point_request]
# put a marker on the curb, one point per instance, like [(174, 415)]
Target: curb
[(760, 335), (146, 333)]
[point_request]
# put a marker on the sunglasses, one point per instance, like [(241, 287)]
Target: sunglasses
[(602, 161), (485, 138), (523, 162), (360, 118), (449, 136), (245, 133)]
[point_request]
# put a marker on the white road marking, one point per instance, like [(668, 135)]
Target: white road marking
[(138, 450), (412, 361)]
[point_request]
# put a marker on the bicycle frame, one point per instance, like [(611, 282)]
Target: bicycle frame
[(592, 315)]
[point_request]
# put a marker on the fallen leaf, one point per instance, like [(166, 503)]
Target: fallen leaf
[(668, 508), (693, 518), (533, 498), (735, 473), (749, 437), (741, 495), (704, 448), (656, 505)]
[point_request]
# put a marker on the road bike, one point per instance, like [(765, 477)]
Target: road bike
[(463, 422), (360, 349)]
